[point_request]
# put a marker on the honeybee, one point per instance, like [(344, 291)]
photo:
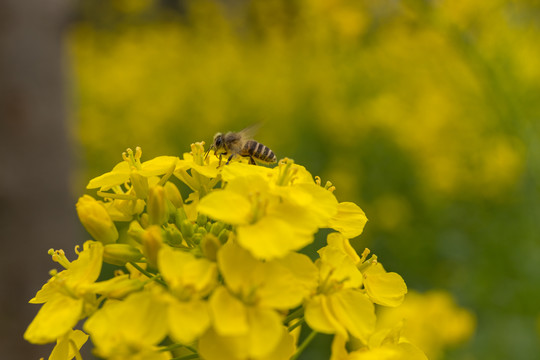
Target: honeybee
[(240, 143)]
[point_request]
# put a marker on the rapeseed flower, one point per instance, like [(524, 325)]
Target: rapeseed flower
[(65, 295), (215, 274)]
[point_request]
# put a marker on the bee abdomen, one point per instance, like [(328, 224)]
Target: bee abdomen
[(258, 151)]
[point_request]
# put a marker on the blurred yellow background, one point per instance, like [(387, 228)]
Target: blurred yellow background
[(425, 113)]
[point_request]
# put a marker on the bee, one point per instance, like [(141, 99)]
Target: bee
[(234, 144)]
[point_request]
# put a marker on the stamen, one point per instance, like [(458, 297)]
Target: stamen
[(138, 153), (59, 256)]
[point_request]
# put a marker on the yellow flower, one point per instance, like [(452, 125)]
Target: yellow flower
[(433, 321), (215, 347), (340, 307), (130, 328), (271, 219), (243, 312), (96, 220), (65, 295), (189, 279), (385, 344), (382, 287), (132, 170)]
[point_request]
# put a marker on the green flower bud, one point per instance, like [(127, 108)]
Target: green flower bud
[(120, 254), (96, 220), (140, 184), (217, 227), (157, 209), (187, 228), (173, 194), (196, 238), (152, 240), (223, 236), (202, 219), (173, 235)]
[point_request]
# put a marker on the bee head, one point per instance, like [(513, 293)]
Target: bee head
[(218, 141)]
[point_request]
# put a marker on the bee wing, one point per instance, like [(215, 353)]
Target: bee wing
[(249, 132)]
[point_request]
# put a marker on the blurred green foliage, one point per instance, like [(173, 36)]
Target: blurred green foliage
[(425, 113)]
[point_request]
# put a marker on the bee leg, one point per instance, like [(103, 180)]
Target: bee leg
[(252, 161), (219, 164), (230, 158)]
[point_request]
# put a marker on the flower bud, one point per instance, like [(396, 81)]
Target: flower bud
[(157, 208), (202, 219), (152, 240), (96, 220), (173, 235), (187, 228), (120, 254), (173, 194), (210, 246), (223, 236), (217, 227)]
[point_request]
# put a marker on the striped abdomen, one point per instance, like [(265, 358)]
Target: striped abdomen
[(258, 151)]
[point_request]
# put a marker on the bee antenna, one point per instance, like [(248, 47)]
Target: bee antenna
[(208, 151)]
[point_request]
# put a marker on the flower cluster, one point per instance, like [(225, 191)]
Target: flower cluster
[(216, 274)]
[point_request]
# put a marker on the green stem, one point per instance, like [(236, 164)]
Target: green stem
[(187, 357), (295, 314), (296, 324), (176, 346), (304, 345), (148, 274)]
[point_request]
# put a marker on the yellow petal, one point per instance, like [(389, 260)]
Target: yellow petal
[(238, 267), (213, 346), (237, 170), (55, 318), (349, 220), (384, 288), (338, 240), (226, 206), (228, 313), (265, 331), (185, 273), (287, 282), (158, 166), (355, 312), (188, 320), (64, 347), (86, 269), (271, 237), (337, 265), (137, 322), (118, 175), (284, 349), (319, 317)]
